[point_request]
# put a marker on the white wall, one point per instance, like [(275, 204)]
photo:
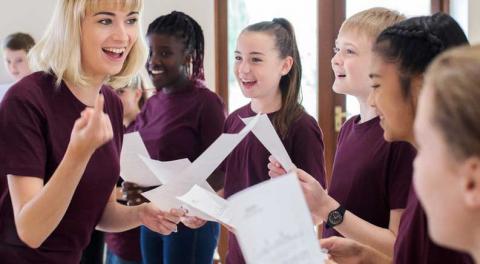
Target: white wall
[(474, 21), (467, 13), (32, 16)]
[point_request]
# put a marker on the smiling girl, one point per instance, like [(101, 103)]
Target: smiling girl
[(268, 70), (180, 121)]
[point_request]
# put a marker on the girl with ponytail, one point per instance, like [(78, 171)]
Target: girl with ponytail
[(268, 70)]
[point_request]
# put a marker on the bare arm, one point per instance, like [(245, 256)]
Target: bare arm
[(321, 204), (117, 217), (345, 250), (354, 227), (39, 208)]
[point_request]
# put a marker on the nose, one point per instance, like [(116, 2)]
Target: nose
[(371, 98), (243, 67), (153, 60), (12, 67), (120, 33), (337, 59)]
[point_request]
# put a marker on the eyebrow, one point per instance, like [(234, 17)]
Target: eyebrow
[(251, 53), (345, 44), (113, 14)]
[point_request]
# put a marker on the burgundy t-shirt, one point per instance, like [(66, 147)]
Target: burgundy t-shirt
[(413, 244), (36, 120), (247, 164), (370, 176), (181, 125), (125, 244)]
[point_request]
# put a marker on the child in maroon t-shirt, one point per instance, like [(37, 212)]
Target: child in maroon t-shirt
[(181, 120), (401, 55), (267, 68)]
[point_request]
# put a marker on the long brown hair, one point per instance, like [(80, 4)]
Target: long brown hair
[(286, 44)]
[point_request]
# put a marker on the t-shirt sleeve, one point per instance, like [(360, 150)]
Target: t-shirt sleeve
[(308, 149), (212, 120), (22, 143), (399, 174)]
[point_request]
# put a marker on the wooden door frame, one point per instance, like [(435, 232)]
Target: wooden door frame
[(440, 6), (221, 49), (331, 14)]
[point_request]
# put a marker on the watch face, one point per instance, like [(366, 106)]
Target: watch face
[(335, 218)]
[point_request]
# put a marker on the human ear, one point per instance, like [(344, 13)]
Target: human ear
[(287, 65), (470, 177), (138, 93), (416, 84)]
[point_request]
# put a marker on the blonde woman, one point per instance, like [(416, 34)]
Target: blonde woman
[(62, 133)]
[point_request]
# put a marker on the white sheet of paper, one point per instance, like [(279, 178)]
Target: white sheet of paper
[(273, 223), (165, 197), (165, 171), (132, 167), (211, 158), (206, 202), (265, 132), (133, 143)]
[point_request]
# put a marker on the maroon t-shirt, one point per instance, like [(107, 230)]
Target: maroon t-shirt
[(247, 164), (125, 244), (413, 244), (370, 176), (181, 125), (36, 120)]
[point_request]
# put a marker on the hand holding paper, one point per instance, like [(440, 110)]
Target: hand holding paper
[(266, 233)]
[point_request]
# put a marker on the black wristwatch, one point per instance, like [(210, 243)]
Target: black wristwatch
[(335, 217)]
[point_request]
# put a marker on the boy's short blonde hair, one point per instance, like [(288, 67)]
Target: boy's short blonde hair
[(59, 50), (372, 22)]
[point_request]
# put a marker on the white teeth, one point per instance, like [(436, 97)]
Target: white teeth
[(115, 50), (156, 71), (247, 80)]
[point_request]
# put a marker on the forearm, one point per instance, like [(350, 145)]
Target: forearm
[(372, 256), (39, 217), (354, 227), (118, 218), (381, 239)]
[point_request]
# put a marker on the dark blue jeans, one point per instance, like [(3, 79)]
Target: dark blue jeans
[(114, 259), (187, 246)]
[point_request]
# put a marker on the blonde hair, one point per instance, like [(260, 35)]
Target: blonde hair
[(139, 81), (59, 50), (372, 22), (454, 78)]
